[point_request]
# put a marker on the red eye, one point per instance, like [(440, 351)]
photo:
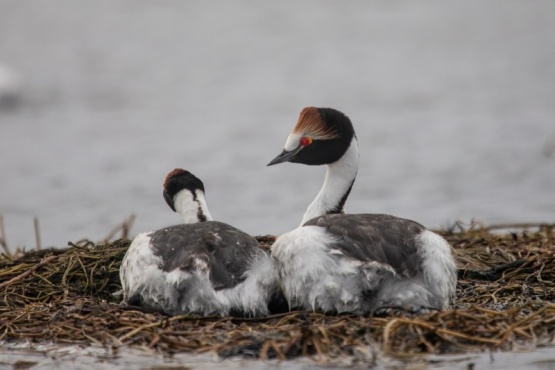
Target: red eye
[(306, 141)]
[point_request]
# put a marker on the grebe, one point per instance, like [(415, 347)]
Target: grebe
[(201, 267), (358, 263)]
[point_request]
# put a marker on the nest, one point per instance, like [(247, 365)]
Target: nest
[(505, 291)]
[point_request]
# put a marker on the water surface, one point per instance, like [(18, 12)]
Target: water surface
[(453, 103), (75, 357)]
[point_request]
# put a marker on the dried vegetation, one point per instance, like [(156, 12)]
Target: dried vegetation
[(505, 296)]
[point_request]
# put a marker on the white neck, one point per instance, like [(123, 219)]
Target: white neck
[(339, 178), (191, 209)]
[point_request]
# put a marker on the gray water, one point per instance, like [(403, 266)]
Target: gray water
[(453, 104), (39, 357)]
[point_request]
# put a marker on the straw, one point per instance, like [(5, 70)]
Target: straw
[(505, 291)]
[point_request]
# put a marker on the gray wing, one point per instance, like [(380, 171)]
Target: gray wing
[(385, 239), (212, 247)]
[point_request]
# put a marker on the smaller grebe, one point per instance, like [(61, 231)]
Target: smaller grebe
[(201, 267), (358, 263)]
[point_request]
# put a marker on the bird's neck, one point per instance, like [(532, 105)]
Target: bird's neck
[(192, 206), (339, 180)]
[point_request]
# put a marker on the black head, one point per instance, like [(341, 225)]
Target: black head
[(177, 180), (321, 136)]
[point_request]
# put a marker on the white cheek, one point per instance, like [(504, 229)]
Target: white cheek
[(293, 142)]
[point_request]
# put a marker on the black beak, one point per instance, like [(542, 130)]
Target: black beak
[(285, 156), (169, 200)]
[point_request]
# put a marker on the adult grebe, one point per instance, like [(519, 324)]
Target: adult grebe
[(201, 267), (357, 263)]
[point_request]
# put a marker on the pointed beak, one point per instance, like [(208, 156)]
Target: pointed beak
[(169, 200), (285, 156)]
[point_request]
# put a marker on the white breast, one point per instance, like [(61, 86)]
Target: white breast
[(313, 276)]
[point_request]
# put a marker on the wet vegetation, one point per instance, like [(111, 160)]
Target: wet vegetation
[(505, 296)]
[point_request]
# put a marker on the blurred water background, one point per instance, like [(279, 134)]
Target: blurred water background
[(453, 103)]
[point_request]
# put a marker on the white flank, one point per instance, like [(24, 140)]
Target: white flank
[(313, 277), (253, 294), (173, 292), (139, 273), (438, 264)]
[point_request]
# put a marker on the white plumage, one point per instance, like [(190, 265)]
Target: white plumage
[(201, 267), (338, 262)]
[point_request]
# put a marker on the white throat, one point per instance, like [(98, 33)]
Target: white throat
[(339, 178), (191, 208)]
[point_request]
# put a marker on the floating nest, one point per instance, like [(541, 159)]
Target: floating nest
[(505, 295)]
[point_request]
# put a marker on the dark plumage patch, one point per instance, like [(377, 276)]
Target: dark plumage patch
[(215, 248), (177, 180), (375, 237), (338, 209), (328, 148), (200, 215)]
